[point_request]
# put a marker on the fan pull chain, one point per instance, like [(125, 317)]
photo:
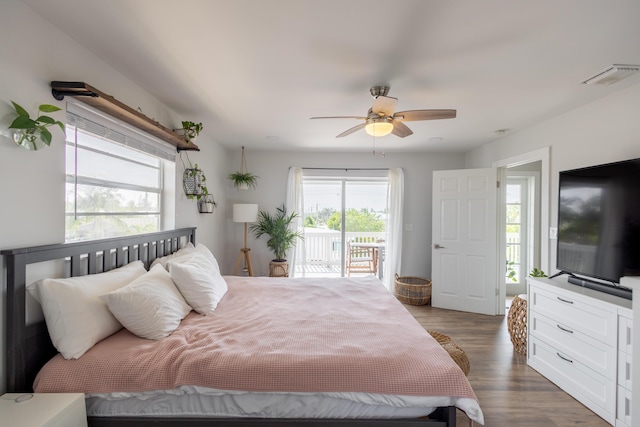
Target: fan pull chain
[(383, 155)]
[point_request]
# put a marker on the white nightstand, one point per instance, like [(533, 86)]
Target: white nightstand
[(43, 410)]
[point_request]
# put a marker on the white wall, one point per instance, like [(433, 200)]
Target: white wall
[(32, 53), (273, 169), (603, 131)]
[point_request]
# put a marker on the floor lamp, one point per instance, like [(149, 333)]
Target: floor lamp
[(244, 213)]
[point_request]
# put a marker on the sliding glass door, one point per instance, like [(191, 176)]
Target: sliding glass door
[(344, 219)]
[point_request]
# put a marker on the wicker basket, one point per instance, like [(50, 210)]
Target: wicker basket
[(517, 323), (457, 354), (413, 290)]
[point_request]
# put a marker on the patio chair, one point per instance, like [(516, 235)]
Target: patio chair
[(360, 259)]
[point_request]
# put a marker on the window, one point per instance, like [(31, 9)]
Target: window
[(115, 177)]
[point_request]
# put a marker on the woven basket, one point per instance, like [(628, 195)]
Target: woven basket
[(457, 354), (517, 323), (413, 290)]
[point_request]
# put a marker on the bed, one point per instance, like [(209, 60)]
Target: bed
[(29, 346)]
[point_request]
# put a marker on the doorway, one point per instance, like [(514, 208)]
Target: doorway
[(534, 168), (522, 220)]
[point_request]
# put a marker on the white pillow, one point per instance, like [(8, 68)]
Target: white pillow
[(202, 249), (150, 307), (76, 317), (198, 281), (187, 249)]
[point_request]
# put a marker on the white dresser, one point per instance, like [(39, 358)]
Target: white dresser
[(580, 339)]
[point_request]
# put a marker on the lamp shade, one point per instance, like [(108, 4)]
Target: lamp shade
[(378, 127), (245, 213)]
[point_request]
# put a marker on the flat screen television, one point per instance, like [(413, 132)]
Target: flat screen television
[(599, 225)]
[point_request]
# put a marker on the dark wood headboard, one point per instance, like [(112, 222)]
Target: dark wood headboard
[(29, 346)]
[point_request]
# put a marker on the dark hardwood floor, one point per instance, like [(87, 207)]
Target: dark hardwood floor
[(511, 394)]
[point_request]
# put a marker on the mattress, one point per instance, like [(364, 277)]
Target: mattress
[(191, 401)]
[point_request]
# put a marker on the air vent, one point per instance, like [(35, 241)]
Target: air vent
[(612, 74)]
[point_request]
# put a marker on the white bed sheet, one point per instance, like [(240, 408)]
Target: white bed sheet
[(192, 401)]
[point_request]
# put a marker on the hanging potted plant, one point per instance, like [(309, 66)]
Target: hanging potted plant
[(281, 238), (33, 134), (206, 203), (243, 179), (190, 130), (194, 182)]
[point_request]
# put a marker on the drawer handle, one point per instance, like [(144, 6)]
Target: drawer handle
[(564, 358), (564, 329), (565, 300)]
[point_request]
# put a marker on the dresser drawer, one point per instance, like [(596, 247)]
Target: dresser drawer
[(595, 391), (624, 370), (623, 413), (625, 332), (576, 312), (574, 344)]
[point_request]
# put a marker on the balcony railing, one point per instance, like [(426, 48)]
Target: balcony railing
[(323, 248)]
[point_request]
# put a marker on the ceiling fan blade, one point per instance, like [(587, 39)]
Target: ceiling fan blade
[(384, 105), (340, 117), (415, 115), (400, 129), (352, 130)]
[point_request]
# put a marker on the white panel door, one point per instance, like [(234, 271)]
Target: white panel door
[(464, 251)]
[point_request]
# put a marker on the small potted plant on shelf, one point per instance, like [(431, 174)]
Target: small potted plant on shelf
[(191, 130), (243, 179), (33, 133), (536, 272), (281, 238)]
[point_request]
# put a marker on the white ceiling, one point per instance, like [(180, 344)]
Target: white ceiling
[(255, 71)]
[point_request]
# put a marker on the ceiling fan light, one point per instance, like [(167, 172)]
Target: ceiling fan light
[(378, 128)]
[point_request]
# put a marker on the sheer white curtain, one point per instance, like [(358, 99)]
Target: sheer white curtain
[(393, 246), (295, 203)]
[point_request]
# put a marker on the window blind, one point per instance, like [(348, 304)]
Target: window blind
[(100, 124)]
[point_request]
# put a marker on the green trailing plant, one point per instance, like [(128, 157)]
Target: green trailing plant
[(511, 272), (191, 130), (194, 181), (31, 127), (277, 227), (536, 272)]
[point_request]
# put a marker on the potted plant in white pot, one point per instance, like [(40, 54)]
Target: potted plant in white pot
[(281, 237), (206, 203), (30, 133), (243, 179)]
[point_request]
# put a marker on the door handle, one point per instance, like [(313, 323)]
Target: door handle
[(437, 246)]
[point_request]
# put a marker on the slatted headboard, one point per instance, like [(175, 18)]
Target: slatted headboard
[(29, 346)]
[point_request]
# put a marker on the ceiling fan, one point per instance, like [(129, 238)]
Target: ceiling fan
[(382, 119)]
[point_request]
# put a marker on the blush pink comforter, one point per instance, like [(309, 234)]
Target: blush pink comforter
[(267, 334)]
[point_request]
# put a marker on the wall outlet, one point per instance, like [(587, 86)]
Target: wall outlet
[(553, 233), (408, 227)]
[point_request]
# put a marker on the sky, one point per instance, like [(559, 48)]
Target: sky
[(359, 195)]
